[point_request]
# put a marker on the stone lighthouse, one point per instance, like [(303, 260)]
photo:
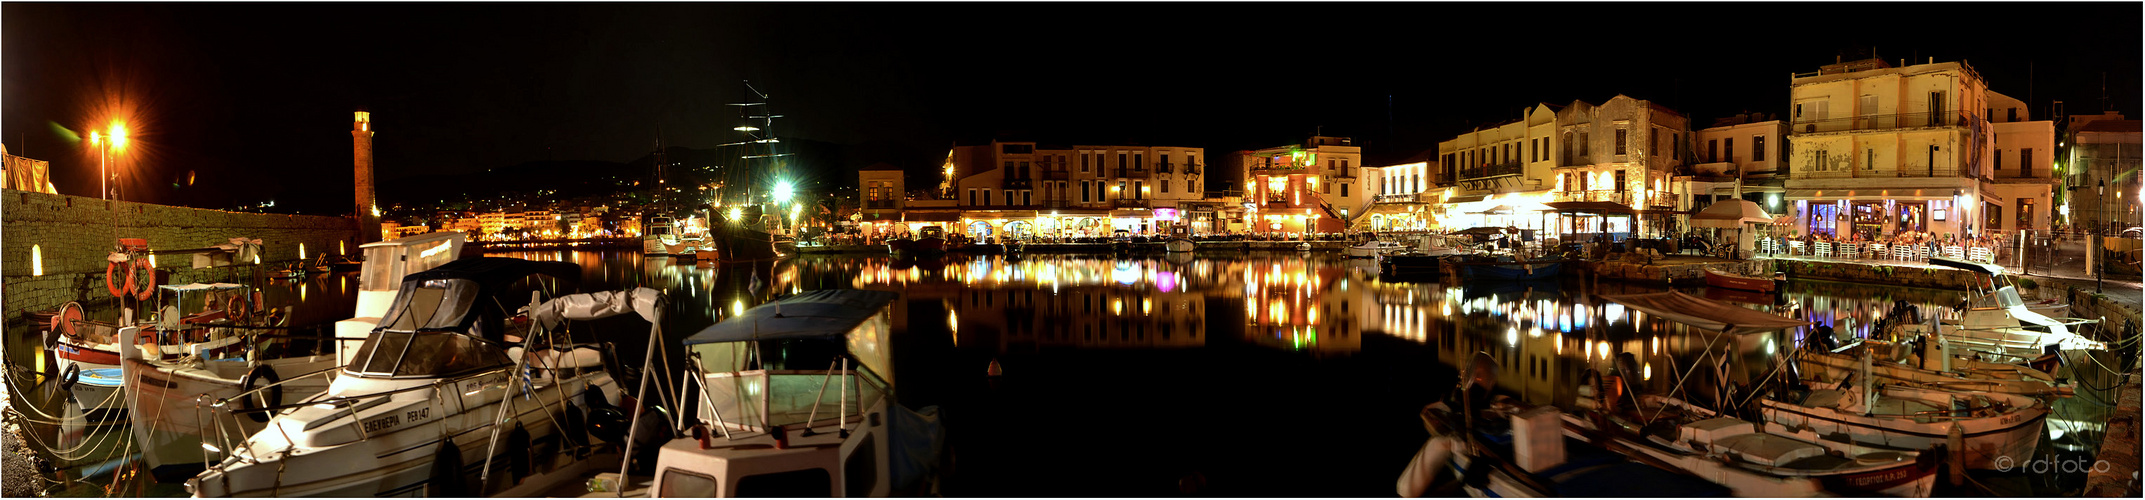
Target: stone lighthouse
[(368, 210)]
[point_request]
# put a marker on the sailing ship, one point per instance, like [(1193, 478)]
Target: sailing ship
[(740, 227)]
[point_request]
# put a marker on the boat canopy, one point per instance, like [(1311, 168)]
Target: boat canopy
[(821, 314), (447, 297), (1705, 313), (1989, 269)]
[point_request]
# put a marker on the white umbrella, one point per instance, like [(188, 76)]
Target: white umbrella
[(1730, 214)]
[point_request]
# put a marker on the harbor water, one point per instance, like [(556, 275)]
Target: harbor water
[(1232, 374)]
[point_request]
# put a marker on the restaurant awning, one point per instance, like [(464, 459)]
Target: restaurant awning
[(1705, 313), (1911, 194), (1466, 199)]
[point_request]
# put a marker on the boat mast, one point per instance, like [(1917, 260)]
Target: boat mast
[(762, 133)]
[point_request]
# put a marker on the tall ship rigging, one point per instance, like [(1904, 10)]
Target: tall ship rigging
[(739, 222)]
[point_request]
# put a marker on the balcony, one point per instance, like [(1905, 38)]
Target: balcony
[(1279, 170), (1056, 175), (1407, 198), (1164, 168), (1018, 183), (1133, 173), (1191, 168), (1131, 203), (1852, 173), (1491, 170), (1890, 121)]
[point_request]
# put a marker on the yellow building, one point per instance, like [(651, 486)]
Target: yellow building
[(1023, 189)]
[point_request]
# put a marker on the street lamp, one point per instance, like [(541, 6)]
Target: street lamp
[(2100, 269), (116, 138)]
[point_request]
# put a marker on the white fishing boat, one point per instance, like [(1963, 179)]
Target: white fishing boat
[(1773, 462), (1997, 323), (1374, 248), (660, 236), (1934, 369), (796, 400), (437, 396), (1180, 240), (88, 353), (171, 398), (1991, 424)]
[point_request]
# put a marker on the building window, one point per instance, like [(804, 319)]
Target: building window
[(1622, 141), (986, 196), (1120, 161), (1344, 190), (1998, 158), (971, 197), (1139, 162), (1712, 150), (1027, 197), (1728, 145), (1083, 163), (2025, 213), (1757, 148), (1165, 186), (1583, 153), (1620, 180), (1188, 186), (2025, 162), (1084, 187)]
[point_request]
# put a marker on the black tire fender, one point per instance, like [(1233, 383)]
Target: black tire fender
[(272, 397), (447, 480)]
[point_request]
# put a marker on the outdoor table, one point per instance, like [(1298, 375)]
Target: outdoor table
[(1795, 247), (1876, 251)]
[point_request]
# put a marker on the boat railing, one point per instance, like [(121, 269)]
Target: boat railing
[(756, 401)]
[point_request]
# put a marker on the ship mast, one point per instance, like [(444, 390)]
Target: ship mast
[(758, 130)]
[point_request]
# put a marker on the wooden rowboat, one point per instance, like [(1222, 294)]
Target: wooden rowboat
[(1740, 282)]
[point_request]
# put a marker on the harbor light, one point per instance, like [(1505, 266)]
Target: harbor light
[(783, 191)]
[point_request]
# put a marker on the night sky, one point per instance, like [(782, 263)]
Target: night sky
[(255, 100)]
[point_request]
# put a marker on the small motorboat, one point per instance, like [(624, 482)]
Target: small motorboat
[(1372, 249), (1733, 281), (1180, 240), (798, 402), (930, 241), (450, 383)]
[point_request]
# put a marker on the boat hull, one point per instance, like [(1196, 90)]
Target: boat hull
[(1734, 282), (174, 405), (1406, 266), (1179, 245), (1990, 442), (1508, 271)]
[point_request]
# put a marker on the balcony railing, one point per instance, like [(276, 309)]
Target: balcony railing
[(1131, 203), (1889, 121), (1056, 175), (1017, 183), (1132, 173), (1491, 170), (1406, 198), (1611, 196), (1191, 168), (1855, 173), (1164, 168)]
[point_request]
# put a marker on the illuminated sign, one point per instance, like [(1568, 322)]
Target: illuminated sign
[(1165, 214)]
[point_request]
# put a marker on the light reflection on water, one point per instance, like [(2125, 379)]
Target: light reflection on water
[(1327, 309)]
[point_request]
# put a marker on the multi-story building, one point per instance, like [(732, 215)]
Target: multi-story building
[(1490, 173), (1909, 150), (1743, 157), (1407, 195), (2021, 167), (1624, 152), (492, 223), (1307, 188), (540, 223), (1020, 188), (2099, 149), (882, 198)]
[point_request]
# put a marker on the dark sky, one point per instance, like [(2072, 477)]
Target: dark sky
[(255, 99)]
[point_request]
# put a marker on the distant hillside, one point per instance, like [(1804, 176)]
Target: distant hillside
[(819, 166)]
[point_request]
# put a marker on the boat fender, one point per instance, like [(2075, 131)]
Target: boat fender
[(447, 478), (70, 376), (605, 422), (254, 380)]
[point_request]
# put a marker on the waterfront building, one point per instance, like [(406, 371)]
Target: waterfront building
[(2021, 167), (1742, 156), (1408, 195), (884, 197), (492, 223), (1023, 189), (1625, 151), (2098, 149), (1306, 188), (1910, 151), (1491, 174)]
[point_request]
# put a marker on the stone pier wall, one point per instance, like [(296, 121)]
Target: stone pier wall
[(71, 235)]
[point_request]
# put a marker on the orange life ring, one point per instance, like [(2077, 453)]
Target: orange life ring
[(142, 290), (112, 285), (234, 308), (148, 284)]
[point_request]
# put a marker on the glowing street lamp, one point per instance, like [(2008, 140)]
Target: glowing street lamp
[(115, 139)]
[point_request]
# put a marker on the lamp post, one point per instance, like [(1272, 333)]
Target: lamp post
[(116, 137), (2100, 268)]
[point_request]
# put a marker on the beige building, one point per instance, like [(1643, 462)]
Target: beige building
[(2021, 167), (1493, 173), (1407, 195), (1624, 151), (1745, 157), (1311, 187), (1880, 150), (1024, 189)]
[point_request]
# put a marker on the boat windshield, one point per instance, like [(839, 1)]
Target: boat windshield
[(390, 354), (433, 305)]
